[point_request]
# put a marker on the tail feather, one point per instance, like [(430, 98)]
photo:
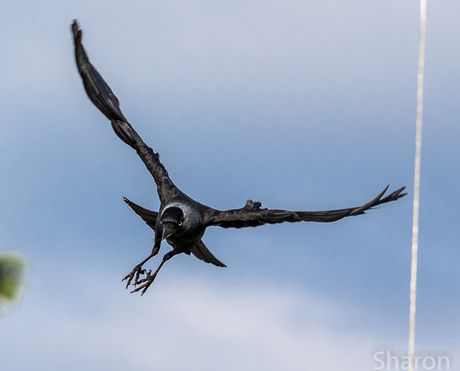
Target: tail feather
[(202, 253)]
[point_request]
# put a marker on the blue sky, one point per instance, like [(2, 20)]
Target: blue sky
[(299, 105)]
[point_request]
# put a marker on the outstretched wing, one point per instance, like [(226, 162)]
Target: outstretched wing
[(252, 215), (98, 91), (103, 98)]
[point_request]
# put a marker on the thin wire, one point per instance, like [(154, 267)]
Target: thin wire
[(418, 150)]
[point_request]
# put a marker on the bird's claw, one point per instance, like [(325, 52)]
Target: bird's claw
[(135, 274), (146, 282)]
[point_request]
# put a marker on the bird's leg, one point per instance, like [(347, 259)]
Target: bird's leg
[(137, 271), (147, 281)]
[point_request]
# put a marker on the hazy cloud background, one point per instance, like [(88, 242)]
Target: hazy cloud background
[(301, 105)]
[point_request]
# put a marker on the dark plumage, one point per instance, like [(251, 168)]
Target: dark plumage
[(182, 221)]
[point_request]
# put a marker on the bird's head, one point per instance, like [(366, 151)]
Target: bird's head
[(171, 220)]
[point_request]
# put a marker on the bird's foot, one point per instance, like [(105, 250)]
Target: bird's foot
[(146, 282), (135, 274)]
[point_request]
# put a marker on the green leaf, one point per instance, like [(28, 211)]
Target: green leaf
[(11, 275)]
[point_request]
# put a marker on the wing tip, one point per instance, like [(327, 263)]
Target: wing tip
[(76, 31)]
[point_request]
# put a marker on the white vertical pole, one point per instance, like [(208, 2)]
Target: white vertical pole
[(418, 148)]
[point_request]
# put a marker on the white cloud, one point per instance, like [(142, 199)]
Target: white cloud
[(185, 324)]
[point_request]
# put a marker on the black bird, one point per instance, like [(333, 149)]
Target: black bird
[(182, 221)]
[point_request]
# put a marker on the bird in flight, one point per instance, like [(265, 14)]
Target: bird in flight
[(182, 221)]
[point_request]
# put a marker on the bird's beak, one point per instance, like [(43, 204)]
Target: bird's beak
[(168, 229)]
